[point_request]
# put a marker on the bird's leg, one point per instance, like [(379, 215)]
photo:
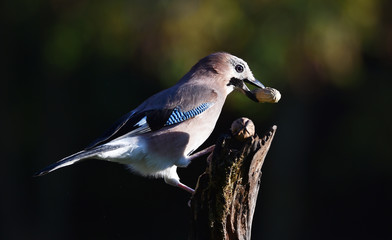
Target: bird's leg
[(193, 156), (185, 187), (172, 179), (202, 152), (175, 180)]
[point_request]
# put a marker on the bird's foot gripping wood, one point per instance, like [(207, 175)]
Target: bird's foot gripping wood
[(224, 201)]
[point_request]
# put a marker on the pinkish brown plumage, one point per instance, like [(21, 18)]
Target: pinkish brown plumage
[(162, 133)]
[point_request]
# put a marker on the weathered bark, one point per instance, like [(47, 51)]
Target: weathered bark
[(225, 198)]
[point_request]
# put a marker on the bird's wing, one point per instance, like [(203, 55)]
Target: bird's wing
[(166, 108)]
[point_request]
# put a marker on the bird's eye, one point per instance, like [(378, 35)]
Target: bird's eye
[(239, 68)]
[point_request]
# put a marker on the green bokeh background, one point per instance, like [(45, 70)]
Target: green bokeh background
[(71, 68)]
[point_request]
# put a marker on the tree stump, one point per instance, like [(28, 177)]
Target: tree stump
[(224, 201)]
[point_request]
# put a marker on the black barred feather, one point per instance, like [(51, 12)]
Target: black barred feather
[(178, 116)]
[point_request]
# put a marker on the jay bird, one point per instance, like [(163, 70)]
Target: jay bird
[(162, 133)]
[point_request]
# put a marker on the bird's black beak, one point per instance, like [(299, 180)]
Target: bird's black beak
[(246, 90), (254, 82), (240, 85)]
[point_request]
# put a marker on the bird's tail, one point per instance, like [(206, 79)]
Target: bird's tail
[(71, 160)]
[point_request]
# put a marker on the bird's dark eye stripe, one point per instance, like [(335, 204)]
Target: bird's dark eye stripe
[(239, 68)]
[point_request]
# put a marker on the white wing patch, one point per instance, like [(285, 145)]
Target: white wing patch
[(142, 122), (142, 127)]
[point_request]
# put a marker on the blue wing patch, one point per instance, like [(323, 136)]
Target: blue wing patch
[(178, 116)]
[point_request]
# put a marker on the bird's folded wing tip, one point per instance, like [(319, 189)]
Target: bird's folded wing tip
[(38, 174), (41, 173)]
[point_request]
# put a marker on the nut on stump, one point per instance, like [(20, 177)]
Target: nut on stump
[(242, 128)]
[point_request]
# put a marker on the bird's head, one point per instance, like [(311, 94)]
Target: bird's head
[(229, 71)]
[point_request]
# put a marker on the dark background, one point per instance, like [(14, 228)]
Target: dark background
[(71, 68)]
